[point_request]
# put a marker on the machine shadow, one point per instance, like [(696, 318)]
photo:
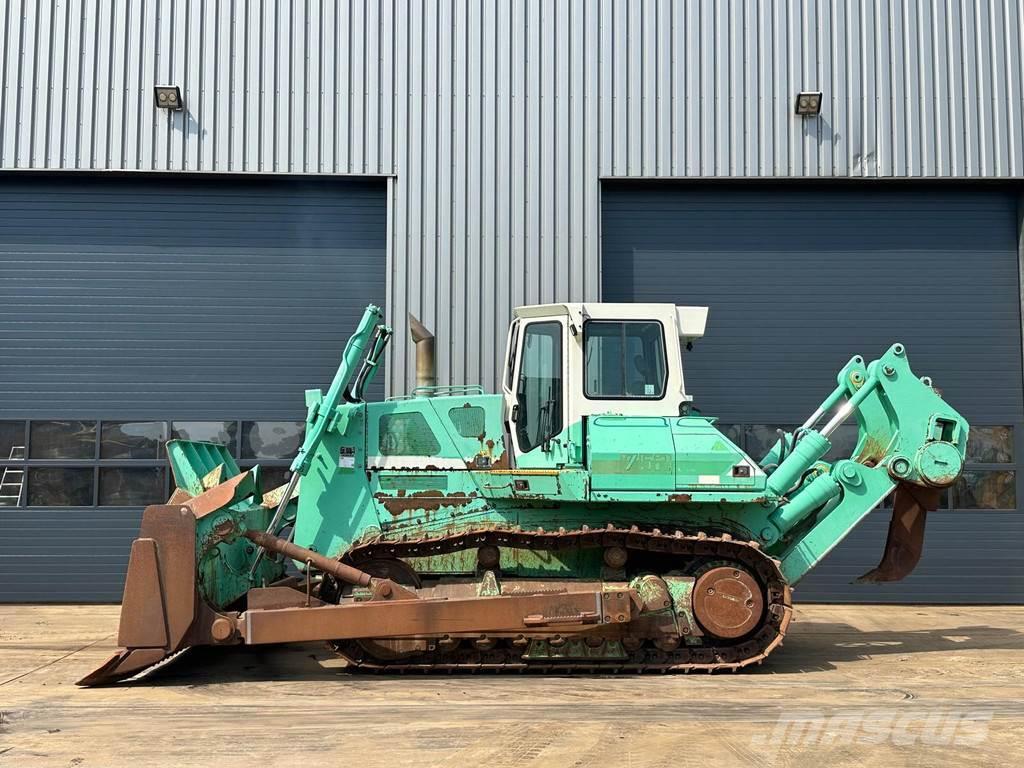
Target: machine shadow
[(820, 646), (816, 647)]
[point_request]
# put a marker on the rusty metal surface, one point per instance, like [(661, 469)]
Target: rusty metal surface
[(426, 500), (142, 622), (727, 602), (615, 557), (160, 601), (339, 570), (223, 494), (426, 373), (277, 597), (402, 618), (122, 665), (272, 499), (179, 496), (399, 573), (645, 650), (536, 626), (905, 540)]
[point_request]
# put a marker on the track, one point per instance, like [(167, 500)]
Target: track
[(685, 552)]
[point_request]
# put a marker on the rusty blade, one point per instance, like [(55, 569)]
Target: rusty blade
[(905, 541), (122, 665), (159, 604)]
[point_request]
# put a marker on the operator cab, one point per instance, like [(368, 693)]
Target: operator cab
[(564, 362)]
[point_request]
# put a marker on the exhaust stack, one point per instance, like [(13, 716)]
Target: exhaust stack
[(426, 373)]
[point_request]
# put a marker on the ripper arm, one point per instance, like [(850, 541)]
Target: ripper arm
[(910, 440)]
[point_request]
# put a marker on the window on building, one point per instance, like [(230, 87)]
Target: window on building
[(987, 481), (271, 439), (62, 440), (132, 439), (221, 432), (61, 486), (539, 386), (625, 360), (131, 486), (12, 440), (986, 489), (990, 445)]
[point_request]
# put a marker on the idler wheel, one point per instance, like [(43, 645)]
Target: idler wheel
[(727, 602)]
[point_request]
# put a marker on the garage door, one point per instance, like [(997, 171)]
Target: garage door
[(137, 308), (798, 280)]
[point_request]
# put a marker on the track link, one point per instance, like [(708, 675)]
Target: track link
[(717, 656)]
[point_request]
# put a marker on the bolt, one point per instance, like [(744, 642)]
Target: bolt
[(711, 590), (221, 629), (749, 603), (889, 370), (621, 617), (735, 574)]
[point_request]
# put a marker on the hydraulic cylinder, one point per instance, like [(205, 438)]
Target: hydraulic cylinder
[(811, 447), (821, 490)]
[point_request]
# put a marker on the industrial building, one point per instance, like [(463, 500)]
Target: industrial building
[(197, 200)]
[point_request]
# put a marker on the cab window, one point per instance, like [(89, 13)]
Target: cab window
[(624, 360), (539, 387)]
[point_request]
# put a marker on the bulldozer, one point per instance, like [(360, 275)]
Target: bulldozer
[(586, 518)]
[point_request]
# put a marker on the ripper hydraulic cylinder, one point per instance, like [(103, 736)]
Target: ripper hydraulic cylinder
[(811, 447)]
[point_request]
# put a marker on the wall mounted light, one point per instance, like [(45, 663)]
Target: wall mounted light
[(167, 97), (808, 103)]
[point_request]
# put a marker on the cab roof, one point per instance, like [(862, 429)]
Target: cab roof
[(690, 322)]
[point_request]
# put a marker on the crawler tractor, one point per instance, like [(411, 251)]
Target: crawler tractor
[(586, 518)]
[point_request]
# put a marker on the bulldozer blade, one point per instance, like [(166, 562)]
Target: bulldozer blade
[(160, 602), (905, 541), (122, 665)]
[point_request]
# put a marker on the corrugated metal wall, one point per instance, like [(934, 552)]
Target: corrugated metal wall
[(124, 299), (499, 118)]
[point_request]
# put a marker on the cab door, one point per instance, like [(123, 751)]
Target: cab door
[(537, 394)]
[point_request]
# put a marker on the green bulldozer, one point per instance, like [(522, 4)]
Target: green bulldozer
[(585, 518)]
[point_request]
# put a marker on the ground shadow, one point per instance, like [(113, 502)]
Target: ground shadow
[(822, 645), (818, 646)]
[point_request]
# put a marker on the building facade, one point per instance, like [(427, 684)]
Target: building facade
[(189, 272)]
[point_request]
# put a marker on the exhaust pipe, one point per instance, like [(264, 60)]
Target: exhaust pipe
[(426, 373)]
